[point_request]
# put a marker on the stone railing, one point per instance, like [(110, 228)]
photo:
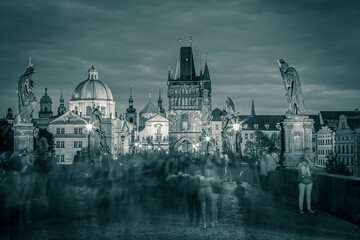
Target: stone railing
[(336, 194)]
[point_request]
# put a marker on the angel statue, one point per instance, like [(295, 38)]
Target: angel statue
[(95, 117), (292, 87), (26, 96)]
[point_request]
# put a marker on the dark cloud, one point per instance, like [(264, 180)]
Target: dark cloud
[(133, 42)]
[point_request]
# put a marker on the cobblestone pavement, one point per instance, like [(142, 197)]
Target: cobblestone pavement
[(248, 213)]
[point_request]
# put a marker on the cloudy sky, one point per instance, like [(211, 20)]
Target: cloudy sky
[(134, 42)]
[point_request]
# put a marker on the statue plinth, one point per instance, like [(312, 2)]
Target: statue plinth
[(297, 137), (23, 137)]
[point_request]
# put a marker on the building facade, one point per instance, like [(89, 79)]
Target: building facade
[(70, 136), (347, 143), (189, 100)]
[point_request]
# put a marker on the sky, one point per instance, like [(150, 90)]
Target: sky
[(135, 42)]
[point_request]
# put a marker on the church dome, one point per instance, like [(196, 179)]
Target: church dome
[(92, 88), (45, 98)]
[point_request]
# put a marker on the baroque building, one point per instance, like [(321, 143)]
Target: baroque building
[(189, 100)]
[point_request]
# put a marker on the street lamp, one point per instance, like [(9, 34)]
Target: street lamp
[(122, 144), (236, 129), (89, 129), (207, 139)]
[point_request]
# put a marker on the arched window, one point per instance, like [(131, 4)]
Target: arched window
[(102, 110), (131, 120), (343, 149)]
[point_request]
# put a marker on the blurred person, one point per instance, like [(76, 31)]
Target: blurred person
[(263, 171), (305, 181), (205, 193)]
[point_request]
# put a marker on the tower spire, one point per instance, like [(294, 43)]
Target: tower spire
[(252, 108), (30, 64)]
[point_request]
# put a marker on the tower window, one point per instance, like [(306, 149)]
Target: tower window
[(131, 120)]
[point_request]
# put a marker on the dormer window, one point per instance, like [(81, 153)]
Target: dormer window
[(245, 126), (267, 126), (256, 126), (278, 126)]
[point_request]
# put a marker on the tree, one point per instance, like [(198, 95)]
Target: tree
[(43, 133), (333, 166), (257, 145), (6, 136)]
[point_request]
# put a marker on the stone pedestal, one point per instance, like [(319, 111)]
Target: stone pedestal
[(23, 138), (298, 137)]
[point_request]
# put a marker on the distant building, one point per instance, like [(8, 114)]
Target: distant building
[(267, 124), (347, 142), (189, 99), (10, 116), (70, 136), (325, 142), (45, 113)]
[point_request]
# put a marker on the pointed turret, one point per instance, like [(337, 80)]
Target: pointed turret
[(252, 108), (206, 74), (61, 108), (160, 107)]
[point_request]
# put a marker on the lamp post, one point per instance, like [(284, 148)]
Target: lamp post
[(236, 129), (136, 146), (89, 129), (122, 144), (207, 139)]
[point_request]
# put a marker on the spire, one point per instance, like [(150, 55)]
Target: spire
[(45, 90), (61, 108), (30, 64), (131, 108), (252, 108), (160, 107), (61, 97)]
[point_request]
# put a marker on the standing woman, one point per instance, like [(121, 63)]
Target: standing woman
[(305, 180)]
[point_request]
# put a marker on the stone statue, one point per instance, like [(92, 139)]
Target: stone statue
[(26, 96), (292, 87), (229, 118), (99, 132)]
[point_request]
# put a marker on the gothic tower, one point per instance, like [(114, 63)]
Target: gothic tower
[(61, 108), (45, 106), (189, 103), (131, 111)]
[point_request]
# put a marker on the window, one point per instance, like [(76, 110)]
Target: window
[(62, 144), (251, 136), (88, 111), (57, 144), (216, 127), (76, 131), (246, 136), (256, 126), (57, 130), (58, 158), (103, 110), (62, 158), (80, 144), (267, 126), (75, 144), (62, 130)]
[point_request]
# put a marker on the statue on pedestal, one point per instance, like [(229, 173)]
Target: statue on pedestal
[(229, 118), (293, 90), (26, 96), (95, 121)]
